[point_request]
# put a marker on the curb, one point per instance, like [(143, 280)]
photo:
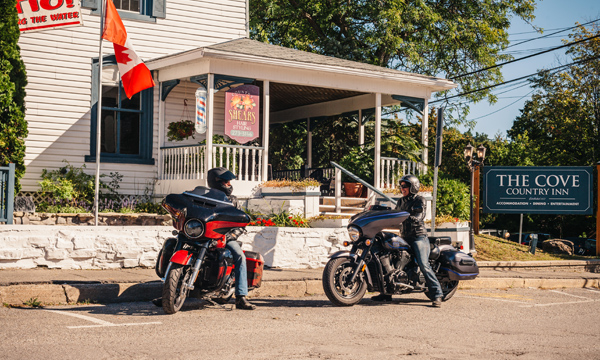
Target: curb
[(17, 295)]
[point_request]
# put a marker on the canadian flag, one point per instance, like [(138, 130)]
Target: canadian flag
[(134, 73)]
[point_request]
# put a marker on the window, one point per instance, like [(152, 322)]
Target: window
[(125, 124), (144, 10)]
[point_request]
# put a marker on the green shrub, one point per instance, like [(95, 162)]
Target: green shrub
[(453, 197), (13, 78)]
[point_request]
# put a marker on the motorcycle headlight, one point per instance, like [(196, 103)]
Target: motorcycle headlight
[(354, 233), (193, 228)]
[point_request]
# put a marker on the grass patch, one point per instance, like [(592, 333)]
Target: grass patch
[(33, 302), (492, 248)]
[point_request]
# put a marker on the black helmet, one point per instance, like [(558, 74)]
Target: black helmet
[(414, 183), (217, 178)]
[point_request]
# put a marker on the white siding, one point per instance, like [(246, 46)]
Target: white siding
[(58, 64)]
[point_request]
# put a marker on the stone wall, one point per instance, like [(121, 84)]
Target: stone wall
[(113, 219), (110, 247)]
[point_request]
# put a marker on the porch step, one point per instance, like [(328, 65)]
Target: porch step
[(346, 201), (348, 215)]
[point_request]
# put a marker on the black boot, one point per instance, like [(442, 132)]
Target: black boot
[(243, 303), (382, 298)]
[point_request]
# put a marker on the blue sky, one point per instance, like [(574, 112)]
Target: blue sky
[(551, 15)]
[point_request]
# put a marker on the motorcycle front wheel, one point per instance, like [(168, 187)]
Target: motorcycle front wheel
[(174, 294), (336, 284)]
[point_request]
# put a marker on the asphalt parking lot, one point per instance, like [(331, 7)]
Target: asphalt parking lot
[(523, 323)]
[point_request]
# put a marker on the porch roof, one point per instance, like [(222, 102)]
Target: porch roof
[(300, 81)]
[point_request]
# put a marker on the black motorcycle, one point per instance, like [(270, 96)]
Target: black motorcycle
[(196, 262), (381, 261)]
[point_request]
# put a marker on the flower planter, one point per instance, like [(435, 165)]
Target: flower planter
[(354, 189), (457, 231), (329, 223), (290, 191)]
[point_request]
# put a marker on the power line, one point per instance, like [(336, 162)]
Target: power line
[(517, 79), (528, 56), (554, 33)]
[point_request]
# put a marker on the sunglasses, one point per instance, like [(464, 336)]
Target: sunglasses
[(404, 186)]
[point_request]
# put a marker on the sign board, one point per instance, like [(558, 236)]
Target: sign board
[(48, 14), (242, 113), (538, 190)]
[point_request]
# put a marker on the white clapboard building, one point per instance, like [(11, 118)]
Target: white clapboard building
[(187, 44)]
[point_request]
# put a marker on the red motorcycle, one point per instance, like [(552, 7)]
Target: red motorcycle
[(196, 262)]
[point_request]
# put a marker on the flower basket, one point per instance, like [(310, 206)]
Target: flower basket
[(180, 130)]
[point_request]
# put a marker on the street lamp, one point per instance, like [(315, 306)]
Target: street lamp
[(473, 162)]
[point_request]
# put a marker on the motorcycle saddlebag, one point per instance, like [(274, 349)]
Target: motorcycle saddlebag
[(460, 266), (254, 266)]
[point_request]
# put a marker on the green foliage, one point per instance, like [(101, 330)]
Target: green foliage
[(72, 190), (359, 162), (453, 197), (150, 208), (287, 145), (562, 119), (33, 302), (13, 127), (430, 37)]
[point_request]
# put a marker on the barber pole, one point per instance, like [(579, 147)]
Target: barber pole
[(200, 123)]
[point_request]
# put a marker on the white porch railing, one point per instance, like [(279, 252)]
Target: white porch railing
[(393, 169), (188, 162)]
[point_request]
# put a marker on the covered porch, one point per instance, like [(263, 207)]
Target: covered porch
[(294, 85)]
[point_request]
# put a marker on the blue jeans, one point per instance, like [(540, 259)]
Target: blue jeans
[(421, 249), (239, 260)]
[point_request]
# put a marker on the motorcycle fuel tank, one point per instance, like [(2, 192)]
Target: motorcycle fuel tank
[(373, 221)]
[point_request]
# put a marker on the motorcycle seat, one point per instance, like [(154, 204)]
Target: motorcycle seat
[(439, 240)]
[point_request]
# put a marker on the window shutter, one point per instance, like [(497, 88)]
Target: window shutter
[(92, 4), (159, 8)]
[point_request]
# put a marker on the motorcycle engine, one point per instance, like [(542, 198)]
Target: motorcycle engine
[(394, 264)]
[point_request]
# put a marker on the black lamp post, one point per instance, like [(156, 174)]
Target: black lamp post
[(473, 161)]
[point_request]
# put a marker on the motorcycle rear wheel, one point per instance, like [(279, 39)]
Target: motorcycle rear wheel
[(335, 276), (449, 288), (174, 294)]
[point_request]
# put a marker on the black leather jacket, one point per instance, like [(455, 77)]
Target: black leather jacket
[(416, 206)]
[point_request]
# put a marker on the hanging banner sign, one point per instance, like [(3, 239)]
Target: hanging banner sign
[(200, 123), (37, 15), (538, 190), (242, 113)]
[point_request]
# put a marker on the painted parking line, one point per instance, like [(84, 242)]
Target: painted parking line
[(493, 298), (98, 322)]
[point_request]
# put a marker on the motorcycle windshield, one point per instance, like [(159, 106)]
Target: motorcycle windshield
[(373, 221)]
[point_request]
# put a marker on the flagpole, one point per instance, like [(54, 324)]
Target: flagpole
[(99, 115)]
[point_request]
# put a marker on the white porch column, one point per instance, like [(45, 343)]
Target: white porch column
[(161, 131), (425, 133), (376, 178), (361, 128), (309, 144), (210, 126), (267, 103)]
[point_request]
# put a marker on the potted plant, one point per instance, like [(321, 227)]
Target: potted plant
[(180, 130), (359, 162)]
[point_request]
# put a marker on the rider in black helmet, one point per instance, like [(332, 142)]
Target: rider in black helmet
[(219, 179), (414, 232)]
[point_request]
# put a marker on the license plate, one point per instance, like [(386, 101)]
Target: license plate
[(359, 252)]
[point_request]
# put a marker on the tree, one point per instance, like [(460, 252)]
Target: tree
[(562, 119), (13, 127), (444, 38)]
